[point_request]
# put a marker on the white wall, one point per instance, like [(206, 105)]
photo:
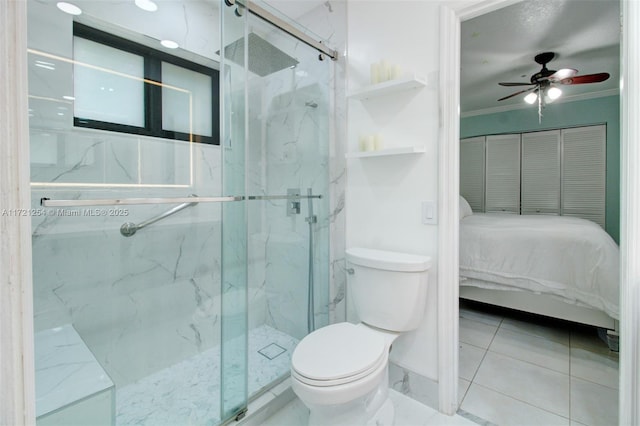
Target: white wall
[(384, 194)]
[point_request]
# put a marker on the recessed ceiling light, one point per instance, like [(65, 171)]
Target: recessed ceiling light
[(169, 44), (69, 8), (147, 5)]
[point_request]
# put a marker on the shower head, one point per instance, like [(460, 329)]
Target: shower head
[(264, 57)]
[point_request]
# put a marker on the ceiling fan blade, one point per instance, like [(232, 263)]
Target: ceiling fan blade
[(516, 94), (516, 84), (584, 79), (562, 74)]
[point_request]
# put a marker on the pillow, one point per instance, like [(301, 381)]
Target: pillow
[(465, 208)]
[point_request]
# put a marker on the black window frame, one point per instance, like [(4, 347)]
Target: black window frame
[(153, 60)]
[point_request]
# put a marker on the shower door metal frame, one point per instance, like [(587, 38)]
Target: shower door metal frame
[(265, 15)]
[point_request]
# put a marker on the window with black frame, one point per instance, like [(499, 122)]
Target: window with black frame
[(123, 86)]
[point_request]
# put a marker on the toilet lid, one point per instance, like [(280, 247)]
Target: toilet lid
[(337, 352)]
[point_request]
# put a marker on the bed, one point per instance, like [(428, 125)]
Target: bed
[(558, 266)]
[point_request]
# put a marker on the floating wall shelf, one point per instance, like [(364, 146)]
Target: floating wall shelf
[(387, 152), (388, 87)]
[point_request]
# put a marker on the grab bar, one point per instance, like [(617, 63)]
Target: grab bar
[(48, 202), (129, 228)]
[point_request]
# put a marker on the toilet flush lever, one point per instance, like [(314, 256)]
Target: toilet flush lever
[(350, 271)]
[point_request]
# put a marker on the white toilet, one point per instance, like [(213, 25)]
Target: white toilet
[(340, 372)]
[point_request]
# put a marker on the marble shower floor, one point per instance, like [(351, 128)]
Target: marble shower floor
[(189, 391)]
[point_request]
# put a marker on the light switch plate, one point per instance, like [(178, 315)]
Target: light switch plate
[(429, 213)]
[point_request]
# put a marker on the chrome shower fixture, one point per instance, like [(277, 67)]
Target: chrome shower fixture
[(264, 57)]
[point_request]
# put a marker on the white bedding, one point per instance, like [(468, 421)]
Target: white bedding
[(568, 257)]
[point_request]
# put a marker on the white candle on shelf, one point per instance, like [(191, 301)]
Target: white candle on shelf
[(384, 70), (369, 143), (362, 143), (395, 72), (377, 141), (375, 73)]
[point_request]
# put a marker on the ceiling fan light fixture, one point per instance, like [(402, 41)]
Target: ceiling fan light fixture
[(554, 93), (531, 98)]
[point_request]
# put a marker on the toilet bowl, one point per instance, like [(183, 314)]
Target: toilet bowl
[(341, 372)]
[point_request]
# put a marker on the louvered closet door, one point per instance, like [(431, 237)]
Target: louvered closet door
[(503, 174), (472, 172), (540, 180), (583, 173)]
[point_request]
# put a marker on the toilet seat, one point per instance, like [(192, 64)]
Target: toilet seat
[(338, 354)]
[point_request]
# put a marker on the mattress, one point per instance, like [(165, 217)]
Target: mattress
[(571, 258)]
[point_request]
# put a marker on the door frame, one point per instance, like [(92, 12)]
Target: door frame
[(451, 16), (17, 375)]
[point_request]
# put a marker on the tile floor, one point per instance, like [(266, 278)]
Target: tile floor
[(409, 412), (517, 369)]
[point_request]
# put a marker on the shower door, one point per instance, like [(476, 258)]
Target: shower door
[(179, 208), (277, 142), (127, 245)]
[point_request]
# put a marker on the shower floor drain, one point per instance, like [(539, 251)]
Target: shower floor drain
[(272, 351)]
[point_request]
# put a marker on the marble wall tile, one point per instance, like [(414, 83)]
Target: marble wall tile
[(329, 20), (140, 303), (303, 113), (92, 157), (413, 385)]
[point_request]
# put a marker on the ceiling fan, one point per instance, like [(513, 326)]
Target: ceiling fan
[(544, 83)]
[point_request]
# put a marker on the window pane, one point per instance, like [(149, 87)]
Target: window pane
[(186, 100), (113, 91)]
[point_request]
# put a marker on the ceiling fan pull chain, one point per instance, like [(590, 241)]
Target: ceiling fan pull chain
[(540, 95)]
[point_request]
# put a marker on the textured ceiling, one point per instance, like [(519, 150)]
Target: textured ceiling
[(500, 46)]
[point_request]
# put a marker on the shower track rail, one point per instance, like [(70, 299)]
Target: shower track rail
[(269, 17), (48, 202)]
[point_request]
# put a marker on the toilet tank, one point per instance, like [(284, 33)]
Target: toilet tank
[(388, 289)]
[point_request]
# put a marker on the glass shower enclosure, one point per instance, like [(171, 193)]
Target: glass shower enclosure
[(180, 208)]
